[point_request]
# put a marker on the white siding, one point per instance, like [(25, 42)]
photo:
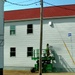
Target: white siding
[(22, 40)]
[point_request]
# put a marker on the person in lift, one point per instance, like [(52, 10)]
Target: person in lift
[(47, 50)]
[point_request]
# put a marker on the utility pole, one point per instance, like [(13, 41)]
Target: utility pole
[(41, 34), (1, 36)]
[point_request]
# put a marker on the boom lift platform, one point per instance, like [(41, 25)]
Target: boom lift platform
[(47, 61)]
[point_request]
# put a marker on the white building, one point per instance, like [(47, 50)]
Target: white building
[(22, 34), (1, 35)]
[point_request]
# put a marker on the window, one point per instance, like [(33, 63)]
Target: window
[(29, 28), (12, 30), (12, 52), (29, 51)]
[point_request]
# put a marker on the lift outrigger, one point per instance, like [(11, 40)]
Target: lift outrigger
[(47, 61)]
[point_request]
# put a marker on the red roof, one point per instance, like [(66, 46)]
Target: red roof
[(52, 11)]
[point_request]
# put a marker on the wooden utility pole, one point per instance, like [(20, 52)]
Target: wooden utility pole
[(41, 37)]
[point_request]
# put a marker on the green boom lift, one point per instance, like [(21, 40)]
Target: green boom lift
[(47, 62)]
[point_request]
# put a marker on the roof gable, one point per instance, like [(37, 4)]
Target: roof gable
[(53, 11)]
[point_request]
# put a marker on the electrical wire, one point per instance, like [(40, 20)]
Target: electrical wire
[(59, 6), (19, 2), (38, 2), (23, 1), (22, 4)]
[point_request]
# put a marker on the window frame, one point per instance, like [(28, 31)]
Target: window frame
[(29, 28), (12, 29), (29, 51), (13, 52)]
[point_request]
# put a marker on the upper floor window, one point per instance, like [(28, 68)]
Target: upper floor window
[(12, 52), (29, 28), (29, 51), (12, 30)]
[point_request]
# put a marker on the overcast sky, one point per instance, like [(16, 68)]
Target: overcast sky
[(26, 4)]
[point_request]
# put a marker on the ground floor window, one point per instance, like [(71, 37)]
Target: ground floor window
[(29, 51), (12, 52)]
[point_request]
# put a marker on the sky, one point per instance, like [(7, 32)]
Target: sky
[(27, 4)]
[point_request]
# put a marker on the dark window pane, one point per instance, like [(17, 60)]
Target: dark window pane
[(29, 28), (12, 52), (12, 49), (30, 48), (12, 32), (30, 31), (29, 51)]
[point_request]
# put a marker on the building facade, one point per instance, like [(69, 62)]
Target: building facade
[(22, 35)]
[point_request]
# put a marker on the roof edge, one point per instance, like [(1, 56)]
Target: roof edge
[(39, 18)]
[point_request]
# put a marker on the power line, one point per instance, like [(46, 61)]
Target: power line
[(59, 6), (23, 1), (19, 2), (22, 4), (38, 2)]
